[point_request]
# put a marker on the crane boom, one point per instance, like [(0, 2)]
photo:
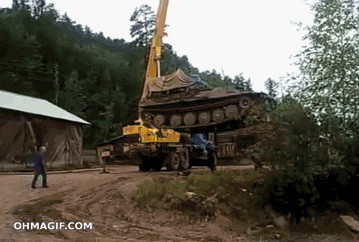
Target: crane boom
[(153, 69)]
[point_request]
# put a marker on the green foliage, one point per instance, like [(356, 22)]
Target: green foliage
[(330, 65), (272, 87), (91, 81), (310, 169), (143, 26), (240, 83), (170, 62)]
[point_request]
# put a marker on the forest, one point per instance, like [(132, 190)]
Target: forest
[(313, 148)]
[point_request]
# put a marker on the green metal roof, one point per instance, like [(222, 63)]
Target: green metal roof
[(26, 104)]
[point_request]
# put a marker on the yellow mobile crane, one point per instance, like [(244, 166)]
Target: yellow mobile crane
[(150, 147), (145, 131)]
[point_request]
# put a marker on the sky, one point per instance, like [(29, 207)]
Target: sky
[(253, 37)]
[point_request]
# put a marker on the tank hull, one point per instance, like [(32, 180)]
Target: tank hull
[(204, 109)]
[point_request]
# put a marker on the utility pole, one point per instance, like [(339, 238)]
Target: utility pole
[(56, 75)]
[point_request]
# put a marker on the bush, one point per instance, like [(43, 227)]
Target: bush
[(312, 169)]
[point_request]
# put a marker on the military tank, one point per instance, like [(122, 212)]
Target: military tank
[(182, 102)]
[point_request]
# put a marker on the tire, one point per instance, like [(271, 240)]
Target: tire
[(212, 160), (143, 164), (184, 156), (157, 165), (173, 161)]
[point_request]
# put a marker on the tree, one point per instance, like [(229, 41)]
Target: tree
[(20, 5), (242, 84), (143, 26), (15, 5), (271, 87), (239, 81), (329, 65), (38, 7), (248, 85)]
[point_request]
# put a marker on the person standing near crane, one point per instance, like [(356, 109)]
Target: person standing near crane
[(39, 167)]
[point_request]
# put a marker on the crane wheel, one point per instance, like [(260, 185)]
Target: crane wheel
[(173, 161), (184, 156), (157, 165), (144, 166)]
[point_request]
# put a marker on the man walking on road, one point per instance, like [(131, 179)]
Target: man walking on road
[(37, 160)]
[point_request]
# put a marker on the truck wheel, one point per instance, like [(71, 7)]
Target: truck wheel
[(184, 156), (143, 163), (173, 161), (157, 165), (143, 166), (212, 161)]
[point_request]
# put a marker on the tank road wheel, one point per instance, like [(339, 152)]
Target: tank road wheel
[(159, 120), (232, 112), (184, 156), (176, 120), (189, 118), (218, 115), (147, 117), (173, 161), (204, 117), (245, 102)]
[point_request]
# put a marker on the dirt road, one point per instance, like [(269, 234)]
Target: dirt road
[(104, 200)]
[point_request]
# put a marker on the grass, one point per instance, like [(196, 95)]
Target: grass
[(231, 192)]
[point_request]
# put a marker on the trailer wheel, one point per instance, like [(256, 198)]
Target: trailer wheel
[(173, 161), (184, 156)]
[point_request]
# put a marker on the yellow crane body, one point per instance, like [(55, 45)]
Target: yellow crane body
[(152, 135)]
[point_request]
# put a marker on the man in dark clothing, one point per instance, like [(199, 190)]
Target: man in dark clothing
[(37, 160)]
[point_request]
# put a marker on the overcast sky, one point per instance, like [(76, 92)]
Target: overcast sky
[(255, 37)]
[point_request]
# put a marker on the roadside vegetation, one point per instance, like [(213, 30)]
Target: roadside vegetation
[(239, 198)]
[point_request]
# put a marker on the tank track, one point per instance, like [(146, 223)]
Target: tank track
[(198, 113)]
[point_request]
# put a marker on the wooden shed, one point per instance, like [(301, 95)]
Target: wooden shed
[(27, 123)]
